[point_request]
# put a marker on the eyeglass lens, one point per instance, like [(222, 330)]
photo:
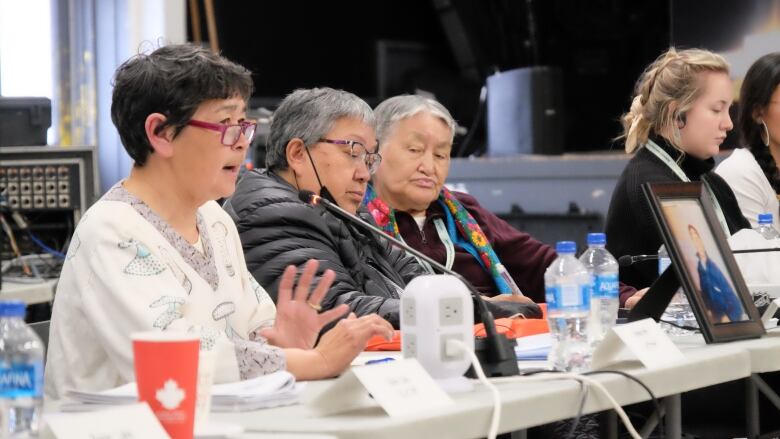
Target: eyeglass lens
[(233, 133)]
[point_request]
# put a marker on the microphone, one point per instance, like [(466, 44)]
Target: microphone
[(756, 250), (627, 260), (496, 353)]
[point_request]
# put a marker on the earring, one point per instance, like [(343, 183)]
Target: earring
[(765, 137), (677, 135)]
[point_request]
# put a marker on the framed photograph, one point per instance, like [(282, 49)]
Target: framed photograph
[(703, 262)]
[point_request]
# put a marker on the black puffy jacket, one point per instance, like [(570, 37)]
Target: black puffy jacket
[(277, 230)]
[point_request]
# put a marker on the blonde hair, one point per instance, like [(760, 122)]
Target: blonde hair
[(665, 91)]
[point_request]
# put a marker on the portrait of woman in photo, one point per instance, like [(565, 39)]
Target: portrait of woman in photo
[(720, 300)]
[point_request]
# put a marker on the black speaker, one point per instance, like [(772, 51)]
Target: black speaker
[(525, 112), (24, 121)]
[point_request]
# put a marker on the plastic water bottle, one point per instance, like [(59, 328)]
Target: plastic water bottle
[(604, 301), (765, 227), (567, 291), (21, 373), (679, 310)]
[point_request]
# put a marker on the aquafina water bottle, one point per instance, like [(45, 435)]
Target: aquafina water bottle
[(766, 227), (567, 292), (604, 301), (21, 373)]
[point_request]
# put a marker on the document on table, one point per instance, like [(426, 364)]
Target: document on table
[(273, 390), (533, 347)]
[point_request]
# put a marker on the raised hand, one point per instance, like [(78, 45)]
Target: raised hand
[(298, 317)]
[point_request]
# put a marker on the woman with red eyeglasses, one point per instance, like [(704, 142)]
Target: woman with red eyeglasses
[(157, 253)]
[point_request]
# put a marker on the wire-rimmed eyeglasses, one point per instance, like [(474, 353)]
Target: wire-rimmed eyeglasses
[(359, 152)]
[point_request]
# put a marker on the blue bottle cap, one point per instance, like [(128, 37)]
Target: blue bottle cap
[(597, 238), (566, 247), (12, 308), (765, 218)]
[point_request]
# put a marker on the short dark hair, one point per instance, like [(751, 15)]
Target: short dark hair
[(761, 80), (173, 80)]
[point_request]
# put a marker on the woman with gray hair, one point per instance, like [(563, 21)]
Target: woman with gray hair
[(408, 200), (321, 140)]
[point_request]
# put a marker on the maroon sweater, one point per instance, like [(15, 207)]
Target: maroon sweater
[(524, 257)]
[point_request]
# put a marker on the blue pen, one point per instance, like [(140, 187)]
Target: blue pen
[(380, 360)]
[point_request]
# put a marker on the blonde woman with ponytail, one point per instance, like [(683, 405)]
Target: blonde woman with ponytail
[(678, 118)]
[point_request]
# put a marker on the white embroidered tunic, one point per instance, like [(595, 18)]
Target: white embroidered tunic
[(128, 271)]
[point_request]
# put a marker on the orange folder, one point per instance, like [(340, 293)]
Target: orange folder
[(513, 328)]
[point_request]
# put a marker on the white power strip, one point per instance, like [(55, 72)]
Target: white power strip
[(434, 310)]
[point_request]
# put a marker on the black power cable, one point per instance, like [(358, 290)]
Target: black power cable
[(653, 398)]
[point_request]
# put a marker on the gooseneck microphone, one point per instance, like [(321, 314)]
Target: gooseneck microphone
[(627, 260), (500, 359)]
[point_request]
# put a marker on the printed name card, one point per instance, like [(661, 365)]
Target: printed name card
[(643, 340), (770, 310), (400, 387), (134, 421)]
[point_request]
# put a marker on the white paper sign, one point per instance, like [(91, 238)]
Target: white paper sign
[(770, 310), (134, 421), (643, 340), (401, 387)]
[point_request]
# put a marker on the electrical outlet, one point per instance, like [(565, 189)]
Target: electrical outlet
[(443, 348), (451, 311), (409, 311), (409, 345)]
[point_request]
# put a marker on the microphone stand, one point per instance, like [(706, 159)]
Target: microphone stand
[(495, 351)]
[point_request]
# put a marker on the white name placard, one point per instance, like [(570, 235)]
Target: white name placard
[(643, 340), (400, 387), (134, 421)]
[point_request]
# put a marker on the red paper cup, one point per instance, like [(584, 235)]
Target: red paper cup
[(166, 370)]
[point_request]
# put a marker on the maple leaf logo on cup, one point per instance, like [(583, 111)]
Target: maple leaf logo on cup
[(171, 395)]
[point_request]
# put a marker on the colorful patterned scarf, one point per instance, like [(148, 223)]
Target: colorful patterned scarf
[(463, 229)]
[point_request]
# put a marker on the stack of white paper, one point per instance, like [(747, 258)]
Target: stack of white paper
[(533, 347), (273, 390)]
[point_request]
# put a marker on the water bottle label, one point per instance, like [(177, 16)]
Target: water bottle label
[(21, 380), (568, 296), (605, 285)]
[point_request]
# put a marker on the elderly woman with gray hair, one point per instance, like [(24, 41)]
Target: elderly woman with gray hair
[(408, 200), (321, 140)]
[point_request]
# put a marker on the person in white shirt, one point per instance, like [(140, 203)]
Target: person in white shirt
[(752, 171), (157, 253)]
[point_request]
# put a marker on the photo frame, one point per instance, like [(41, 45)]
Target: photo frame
[(703, 262)]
